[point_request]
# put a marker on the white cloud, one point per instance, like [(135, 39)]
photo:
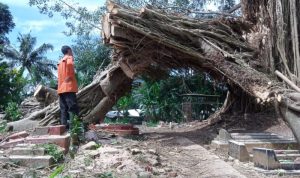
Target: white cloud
[(38, 25)]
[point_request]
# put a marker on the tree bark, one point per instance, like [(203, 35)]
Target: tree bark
[(45, 95)]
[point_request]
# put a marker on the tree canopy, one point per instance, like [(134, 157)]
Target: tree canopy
[(31, 59), (6, 24)]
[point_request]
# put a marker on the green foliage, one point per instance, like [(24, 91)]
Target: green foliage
[(38, 66), (161, 100), (125, 102), (105, 175), (82, 21), (11, 85), (12, 112), (57, 171), (90, 55), (76, 125), (3, 125), (6, 24), (53, 151), (124, 120), (79, 20), (152, 123)]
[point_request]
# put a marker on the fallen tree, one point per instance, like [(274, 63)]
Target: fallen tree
[(150, 40)]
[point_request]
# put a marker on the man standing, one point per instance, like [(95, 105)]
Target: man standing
[(67, 86)]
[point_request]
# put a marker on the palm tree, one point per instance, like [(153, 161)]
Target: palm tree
[(33, 60)]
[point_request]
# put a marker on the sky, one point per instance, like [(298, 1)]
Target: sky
[(47, 30)]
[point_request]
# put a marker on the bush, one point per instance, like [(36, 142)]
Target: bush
[(12, 112), (3, 125), (53, 151)]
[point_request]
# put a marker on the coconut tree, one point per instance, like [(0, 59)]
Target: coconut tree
[(31, 59)]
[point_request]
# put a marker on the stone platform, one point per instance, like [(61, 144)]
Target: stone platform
[(24, 148), (269, 152), (241, 145)]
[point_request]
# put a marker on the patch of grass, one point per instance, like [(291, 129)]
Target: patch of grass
[(152, 123), (105, 175), (98, 145), (53, 151), (3, 125), (57, 171), (77, 128)]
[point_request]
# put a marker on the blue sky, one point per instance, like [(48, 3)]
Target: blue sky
[(47, 30)]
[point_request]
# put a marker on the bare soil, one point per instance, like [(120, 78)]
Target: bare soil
[(176, 150)]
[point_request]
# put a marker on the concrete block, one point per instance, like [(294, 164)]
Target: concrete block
[(27, 151), (220, 146), (290, 166), (12, 143), (238, 151), (57, 130), (29, 161), (224, 136), (50, 130), (17, 135), (60, 140), (265, 158)]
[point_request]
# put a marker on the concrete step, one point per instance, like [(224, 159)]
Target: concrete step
[(50, 130), (289, 166), (241, 150), (29, 161), (252, 134), (18, 135), (291, 157), (287, 151), (60, 140), (27, 151), (237, 136), (266, 140), (269, 160)]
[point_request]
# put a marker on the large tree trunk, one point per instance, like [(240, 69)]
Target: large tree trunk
[(150, 41), (45, 95)]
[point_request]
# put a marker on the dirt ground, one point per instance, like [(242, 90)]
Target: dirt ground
[(176, 150)]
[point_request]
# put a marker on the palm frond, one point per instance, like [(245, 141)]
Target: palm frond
[(27, 43), (40, 51), (45, 69), (12, 55)]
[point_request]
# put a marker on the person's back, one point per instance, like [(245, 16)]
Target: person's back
[(66, 75), (67, 86)]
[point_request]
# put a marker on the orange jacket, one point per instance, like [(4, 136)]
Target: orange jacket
[(66, 76)]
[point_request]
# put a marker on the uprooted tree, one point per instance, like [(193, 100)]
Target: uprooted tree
[(245, 52)]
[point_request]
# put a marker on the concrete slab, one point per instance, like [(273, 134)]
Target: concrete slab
[(224, 136), (269, 160), (50, 130), (265, 158), (60, 140), (219, 145), (238, 151), (17, 135), (29, 161), (27, 151), (251, 140)]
